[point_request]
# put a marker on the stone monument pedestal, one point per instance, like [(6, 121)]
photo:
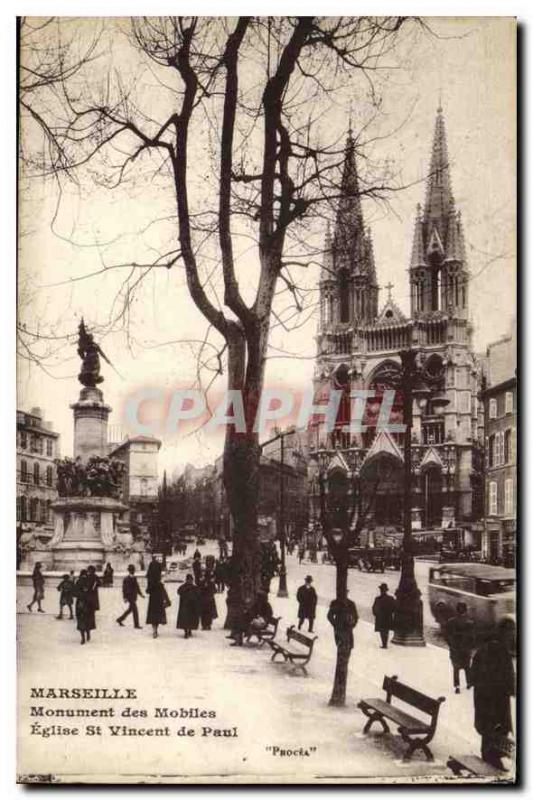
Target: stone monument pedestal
[(84, 532)]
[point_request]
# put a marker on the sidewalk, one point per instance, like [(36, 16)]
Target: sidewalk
[(267, 705)]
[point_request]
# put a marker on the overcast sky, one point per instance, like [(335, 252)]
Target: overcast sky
[(471, 67)]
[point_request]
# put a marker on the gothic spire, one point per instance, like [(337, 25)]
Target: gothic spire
[(453, 242), (349, 228), (417, 253), (439, 196)]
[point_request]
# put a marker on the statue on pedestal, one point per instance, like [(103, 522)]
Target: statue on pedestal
[(90, 353)]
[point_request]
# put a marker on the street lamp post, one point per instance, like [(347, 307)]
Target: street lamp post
[(409, 618)]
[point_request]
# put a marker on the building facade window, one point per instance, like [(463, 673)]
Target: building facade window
[(509, 498), (19, 515), (49, 447), (36, 473), (23, 440), (508, 402), (23, 509), (33, 509), (493, 498), (507, 446), (494, 445), (49, 476), (23, 471), (493, 408)]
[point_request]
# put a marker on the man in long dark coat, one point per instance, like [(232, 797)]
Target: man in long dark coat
[(208, 606), (84, 607), (197, 568), (383, 611), (307, 600), (189, 608), (460, 635), (130, 592), (493, 678), (153, 573), (343, 617)]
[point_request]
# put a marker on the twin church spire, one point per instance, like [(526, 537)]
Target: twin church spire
[(438, 272)]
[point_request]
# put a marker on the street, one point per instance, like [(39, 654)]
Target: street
[(263, 703)]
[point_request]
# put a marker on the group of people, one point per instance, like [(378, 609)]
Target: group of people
[(80, 594), (197, 603)]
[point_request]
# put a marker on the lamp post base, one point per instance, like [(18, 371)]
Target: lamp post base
[(409, 618), (409, 639)]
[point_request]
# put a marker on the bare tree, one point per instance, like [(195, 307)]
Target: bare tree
[(225, 116), (344, 512)]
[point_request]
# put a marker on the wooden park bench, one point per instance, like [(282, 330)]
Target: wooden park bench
[(265, 634), (473, 767), (297, 656), (415, 732)]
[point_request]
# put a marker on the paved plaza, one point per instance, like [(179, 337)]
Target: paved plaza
[(258, 708)]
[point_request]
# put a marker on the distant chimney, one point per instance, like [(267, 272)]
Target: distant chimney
[(36, 412), (48, 425)]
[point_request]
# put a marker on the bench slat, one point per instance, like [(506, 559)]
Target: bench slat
[(474, 765), (299, 637), (411, 696), (411, 724)]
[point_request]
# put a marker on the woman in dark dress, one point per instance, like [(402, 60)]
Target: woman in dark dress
[(208, 606), (38, 587), (158, 602), (493, 678), (107, 578), (189, 608), (84, 607)]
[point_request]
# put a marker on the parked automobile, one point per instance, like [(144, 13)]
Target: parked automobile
[(488, 591)]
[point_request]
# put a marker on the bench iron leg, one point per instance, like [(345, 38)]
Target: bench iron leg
[(375, 717), (417, 744)]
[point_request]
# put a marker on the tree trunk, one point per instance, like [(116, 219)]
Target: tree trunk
[(338, 695), (242, 455)]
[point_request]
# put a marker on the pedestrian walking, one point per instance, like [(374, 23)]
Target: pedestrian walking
[(307, 600), (220, 573), (460, 635), (153, 573), (38, 588), (493, 678), (93, 582), (301, 553), (158, 602), (383, 610), (130, 592), (208, 606), (189, 607), (197, 567), (66, 597), (343, 617), (85, 618), (107, 577)]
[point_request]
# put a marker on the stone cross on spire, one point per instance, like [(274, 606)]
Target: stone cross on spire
[(389, 287)]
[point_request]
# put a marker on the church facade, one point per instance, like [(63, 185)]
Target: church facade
[(358, 348)]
